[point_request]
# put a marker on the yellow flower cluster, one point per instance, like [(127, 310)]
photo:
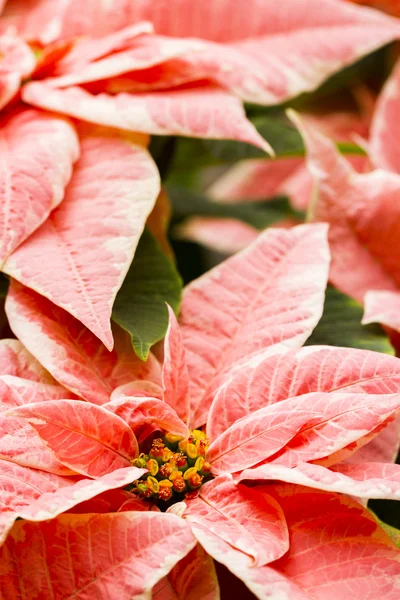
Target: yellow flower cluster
[(176, 467)]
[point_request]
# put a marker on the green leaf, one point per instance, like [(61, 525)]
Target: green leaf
[(3, 286), (340, 325), (139, 307), (187, 202)]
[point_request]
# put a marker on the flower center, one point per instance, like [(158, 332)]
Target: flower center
[(176, 468)]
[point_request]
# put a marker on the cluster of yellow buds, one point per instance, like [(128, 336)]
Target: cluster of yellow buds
[(176, 467)]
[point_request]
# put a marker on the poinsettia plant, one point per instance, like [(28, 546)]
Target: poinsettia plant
[(201, 442)]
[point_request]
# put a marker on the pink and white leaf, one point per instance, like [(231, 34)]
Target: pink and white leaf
[(367, 480), (86, 438), (51, 504), (21, 444), (74, 356), (121, 554), (204, 111), (227, 236), (32, 183), (15, 360), (141, 388), (15, 391), (175, 378), (21, 486), (143, 410), (17, 62), (91, 250), (313, 426), (385, 131), (362, 211), (247, 316), (247, 520), (192, 578), (262, 581), (333, 541), (267, 379)]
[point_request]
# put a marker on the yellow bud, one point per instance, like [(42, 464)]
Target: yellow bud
[(198, 465), (165, 483), (189, 473), (191, 450), (153, 484), (152, 466)]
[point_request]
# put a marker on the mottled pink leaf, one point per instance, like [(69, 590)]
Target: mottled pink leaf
[(19, 487), (120, 555), (21, 444), (17, 62), (139, 411), (74, 356), (15, 391), (52, 504), (204, 111), (85, 437), (382, 307), (92, 50), (337, 548), (17, 361), (364, 218), (223, 235), (175, 377), (80, 256), (260, 580), (310, 427), (368, 480), (37, 153), (385, 131), (242, 517), (255, 179), (383, 448), (250, 302), (193, 578), (268, 379), (140, 388)]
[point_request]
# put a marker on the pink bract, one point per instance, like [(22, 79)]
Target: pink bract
[(285, 402)]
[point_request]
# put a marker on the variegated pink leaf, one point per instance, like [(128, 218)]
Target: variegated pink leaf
[(175, 376), (254, 179), (21, 444), (310, 427), (88, 50), (15, 391), (232, 312), (15, 360), (85, 437), (138, 389), (75, 556), (19, 487), (227, 236), (384, 448), (247, 520), (139, 411), (32, 183), (193, 578), (51, 504), (368, 480), (74, 356), (382, 307), (80, 256), (204, 111), (385, 131), (262, 581), (17, 62), (337, 548), (364, 217), (268, 379)]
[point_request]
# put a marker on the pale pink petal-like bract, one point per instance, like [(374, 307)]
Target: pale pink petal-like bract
[(86, 438), (250, 302), (120, 555), (79, 257), (37, 154)]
